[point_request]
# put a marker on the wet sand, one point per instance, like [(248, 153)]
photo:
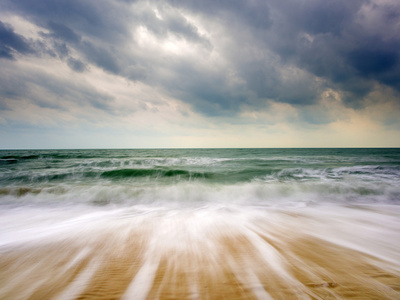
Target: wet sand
[(185, 256)]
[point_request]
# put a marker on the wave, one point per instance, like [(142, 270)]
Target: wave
[(199, 193), (368, 172), (100, 178), (128, 173), (20, 157), (7, 161), (221, 174)]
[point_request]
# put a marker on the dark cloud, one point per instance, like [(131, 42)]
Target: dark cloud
[(322, 17), (373, 61), (102, 57), (98, 18), (211, 97), (335, 40), (10, 42), (283, 51), (47, 91), (76, 65), (61, 49), (324, 38), (254, 13), (64, 93), (268, 82), (6, 52), (63, 32)]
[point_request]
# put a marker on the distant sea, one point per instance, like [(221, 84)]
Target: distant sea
[(200, 223)]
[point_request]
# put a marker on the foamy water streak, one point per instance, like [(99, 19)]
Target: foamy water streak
[(210, 252), (200, 224)]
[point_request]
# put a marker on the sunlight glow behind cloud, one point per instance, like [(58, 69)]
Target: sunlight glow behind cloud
[(189, 74)]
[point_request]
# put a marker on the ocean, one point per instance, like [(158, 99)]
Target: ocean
[(200, 224)]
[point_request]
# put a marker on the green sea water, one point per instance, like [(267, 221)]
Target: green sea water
[(199, 176)]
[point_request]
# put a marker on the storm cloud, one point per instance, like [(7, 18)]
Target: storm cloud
[(11, 43), (221, 59)]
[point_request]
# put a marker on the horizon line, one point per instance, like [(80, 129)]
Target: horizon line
[(196, 148)]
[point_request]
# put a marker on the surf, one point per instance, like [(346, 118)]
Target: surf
[(200, 223)]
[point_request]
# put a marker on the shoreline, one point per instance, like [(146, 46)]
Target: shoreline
[(187, 257)]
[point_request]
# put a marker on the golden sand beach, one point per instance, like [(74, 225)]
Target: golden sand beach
[(186, 257)]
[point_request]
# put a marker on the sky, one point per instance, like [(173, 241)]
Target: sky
[(189, 73)]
